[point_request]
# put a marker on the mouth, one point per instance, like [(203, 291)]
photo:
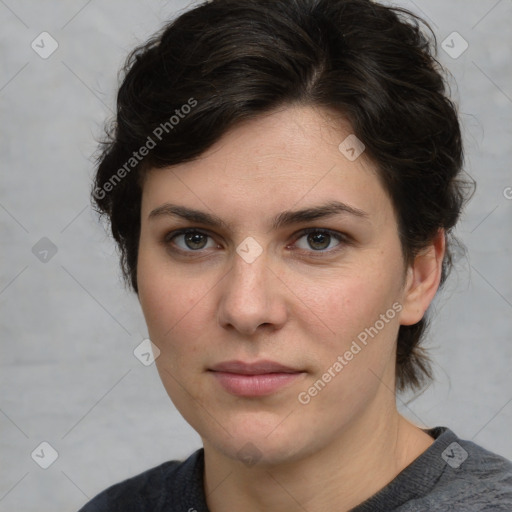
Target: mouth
[(260, 378)]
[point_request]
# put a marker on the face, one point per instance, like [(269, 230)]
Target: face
[(274, 328)]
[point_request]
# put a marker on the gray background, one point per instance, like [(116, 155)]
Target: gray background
[(68, 327)]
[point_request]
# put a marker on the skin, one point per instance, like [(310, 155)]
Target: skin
[(293, 304)]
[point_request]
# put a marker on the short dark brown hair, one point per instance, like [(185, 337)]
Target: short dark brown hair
[(226, 61)]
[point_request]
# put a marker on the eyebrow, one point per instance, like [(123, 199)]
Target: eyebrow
[(286, 218)]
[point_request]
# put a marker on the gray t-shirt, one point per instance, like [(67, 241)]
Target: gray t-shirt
[(451, 475)]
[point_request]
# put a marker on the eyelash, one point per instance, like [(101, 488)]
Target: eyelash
[(340, 237)]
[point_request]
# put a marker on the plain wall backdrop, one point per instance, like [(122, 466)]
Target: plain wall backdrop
[(68, 374)]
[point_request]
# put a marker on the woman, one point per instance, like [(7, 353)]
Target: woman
[(282, 180)]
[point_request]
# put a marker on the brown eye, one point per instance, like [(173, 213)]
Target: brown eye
[(188, 241), (195, 240), (320, 240)]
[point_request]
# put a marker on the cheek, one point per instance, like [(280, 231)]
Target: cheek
[(175, 307), (351, 362), (165, 304), (347, 302), (351, 305)]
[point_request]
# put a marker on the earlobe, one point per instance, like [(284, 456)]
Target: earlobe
[(422, 282)]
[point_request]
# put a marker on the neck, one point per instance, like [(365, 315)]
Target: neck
[(364, 458)]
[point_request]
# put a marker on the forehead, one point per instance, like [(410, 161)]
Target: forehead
[(294, 134), (289, 157)]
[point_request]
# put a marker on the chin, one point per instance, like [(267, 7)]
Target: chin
[(263, 440), (262, 452)]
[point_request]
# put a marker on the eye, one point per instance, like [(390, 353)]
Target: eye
[(316, 240), (319, 240), (192, 240)]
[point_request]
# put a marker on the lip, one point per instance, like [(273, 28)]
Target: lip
[(255, 379), (257, 368)]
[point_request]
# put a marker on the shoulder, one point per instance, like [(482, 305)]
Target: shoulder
[(482, 476), (472, 478), (177, 483)]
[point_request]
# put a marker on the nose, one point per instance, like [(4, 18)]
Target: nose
[(253, 297)]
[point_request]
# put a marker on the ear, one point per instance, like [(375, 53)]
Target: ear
[(422, 281)]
